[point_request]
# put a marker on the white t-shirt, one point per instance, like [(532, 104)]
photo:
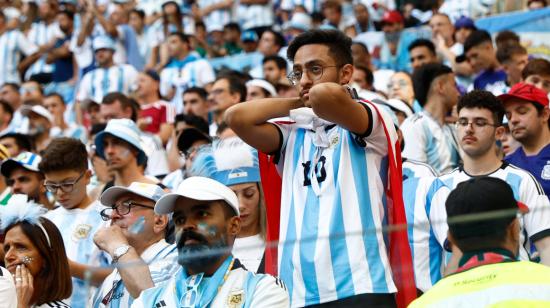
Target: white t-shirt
[(250, 251)]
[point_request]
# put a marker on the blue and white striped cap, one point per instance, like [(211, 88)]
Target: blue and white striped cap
[(229, 161), (124, 129), (26, 160), (149, 191)]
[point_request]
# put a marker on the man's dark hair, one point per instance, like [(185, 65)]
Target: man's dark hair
[(339, 44), (64, 154), (423, 77), (507, 51), (24, 142), (124, 101), (423, 43), (483, 100), (232, 26), (506, 37), (183, 37), (68, 13), (333, 4), (279, 38), (55, 94), (369, 77), (363, 46), (12, 85), (477, 196), (536, 66), (7, 108), (476, 38), (193, 120), (236, 85), (138, 12), (197, 90), (279, 61)]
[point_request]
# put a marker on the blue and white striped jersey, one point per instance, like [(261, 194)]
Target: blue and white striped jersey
[(216, 19), (332, 210), (416, 169), (42, 34), (12, 45), (254, 15), (424, 198), (99, 82), (163, 265), (78, 226), (311, 6), (535, 224), (197, 73), (428, 142)]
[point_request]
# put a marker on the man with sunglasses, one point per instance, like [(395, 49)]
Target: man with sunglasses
[(65, 168), (23, 175), (135, 239), (479, 126)]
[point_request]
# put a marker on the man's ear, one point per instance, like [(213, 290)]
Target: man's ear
[(345, 74), (160, 223), (499, 132), (234, 225), (545, 114)]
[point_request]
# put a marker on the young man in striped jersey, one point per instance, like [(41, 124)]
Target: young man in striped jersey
[(331, 159), (479, 126), (135, 239), (65, 167)]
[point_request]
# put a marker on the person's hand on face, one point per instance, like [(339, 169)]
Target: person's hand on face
[(110, 238), (23, 285)]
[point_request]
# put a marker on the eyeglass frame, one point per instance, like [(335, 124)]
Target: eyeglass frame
[(130, 204), (291, 76), (484, 123), (57, 186)]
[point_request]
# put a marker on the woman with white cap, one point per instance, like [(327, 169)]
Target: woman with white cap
[(235, 164)]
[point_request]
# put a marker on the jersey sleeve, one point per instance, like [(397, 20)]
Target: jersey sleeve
[(270, 292), (438, 214), (284, 132), (25, 45), (537, 220), (205, 74), (375, 137), (84, 88), (415, 141)]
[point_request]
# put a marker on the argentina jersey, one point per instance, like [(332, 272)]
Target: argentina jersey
[(12, 44), (216, 19), (311, 6), (535, 224), (161, 258), (424, 199), (332, 210), (41, 34), (99, 82), (428, 142), (78, 226)]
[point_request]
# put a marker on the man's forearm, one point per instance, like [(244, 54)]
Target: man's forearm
[(260, 111), (135, 273)]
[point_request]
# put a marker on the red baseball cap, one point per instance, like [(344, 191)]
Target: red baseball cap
[(526, 92), (392, 17)]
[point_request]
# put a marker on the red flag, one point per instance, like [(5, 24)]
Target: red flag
[(400, 253)]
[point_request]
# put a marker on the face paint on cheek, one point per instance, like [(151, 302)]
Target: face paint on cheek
[(137, 227), (27, 260), (125, 153)]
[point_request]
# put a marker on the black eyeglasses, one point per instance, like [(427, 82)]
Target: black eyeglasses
[(477, 123), (66, 187), (314, 73), (121, 209)]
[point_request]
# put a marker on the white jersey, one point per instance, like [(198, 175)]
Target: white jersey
[(254, 15), (157, 159), (416, 169), (428, 142), (173, 179), (7, 289), (424, 198), (311, 6), (78, 226), (217, 19), (250, 251), (41, 34), (12, 45), (332, 210), (101, 81), (536, 223), (53, 304), (241, 289), (161, 258), (196, 73)]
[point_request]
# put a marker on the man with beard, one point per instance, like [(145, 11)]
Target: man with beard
[(136, 238), (206, 215), (479, 126), (119, 144)]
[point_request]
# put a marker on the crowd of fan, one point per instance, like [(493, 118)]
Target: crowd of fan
[(112, 109)]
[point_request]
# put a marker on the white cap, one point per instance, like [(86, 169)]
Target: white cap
[(201, 189), (300, 21), (27, 160), (103, 42), (262, 84), (152, 192), (39, 110)]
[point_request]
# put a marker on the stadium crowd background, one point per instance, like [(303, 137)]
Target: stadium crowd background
[(102, 95)]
